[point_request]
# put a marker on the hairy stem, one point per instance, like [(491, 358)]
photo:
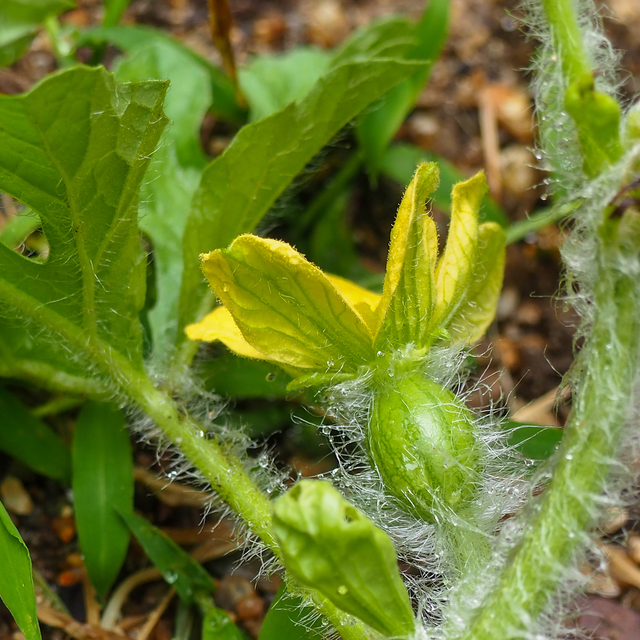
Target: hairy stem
[(556, 526), (567, 39), (223, 471)]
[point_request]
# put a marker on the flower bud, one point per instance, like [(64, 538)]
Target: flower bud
[(329, 545), (421, 441)]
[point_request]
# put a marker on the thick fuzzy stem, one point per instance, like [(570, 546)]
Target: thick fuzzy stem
[(566, 509), (567, 39), (224, 472)]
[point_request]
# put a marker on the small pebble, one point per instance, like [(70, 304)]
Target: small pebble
[(15, 497)]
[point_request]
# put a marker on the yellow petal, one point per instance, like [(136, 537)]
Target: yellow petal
[(453, 274), (287, 308), (364, 301), (476, 313), (408, 295), (219, 325)]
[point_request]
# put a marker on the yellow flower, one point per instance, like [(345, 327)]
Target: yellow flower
[(281, 308)]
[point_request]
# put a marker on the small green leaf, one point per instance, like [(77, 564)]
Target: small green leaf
[(217, 625), (271, 81), (17, 229), (385, 38), (31, 441), (409, 296), (597, 117), (102, 488), (290, 618), (16, 579), (19, 20), (129, 38), (379, 124), (113, 11), (286, 308), (230, 375), (279, 147), (329, 545), (478, 310), (178, 568), (534, 441)]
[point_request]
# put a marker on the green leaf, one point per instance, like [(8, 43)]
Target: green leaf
[(230, 375), (18, 229), (102, 488), (16, 579), (534, 441), (31, 441), (217, 625), (278, 148), (329, 545), (399, 162), (223, 97), (386, 38), (286, 308), (173, 174), (270, 81), (291, 618), (19, 20), (75, 150), (178, 568), (597, 118), (379, 124), (409, 295), (113, 11)]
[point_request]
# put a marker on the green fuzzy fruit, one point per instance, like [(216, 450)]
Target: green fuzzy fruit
[(421, 440)]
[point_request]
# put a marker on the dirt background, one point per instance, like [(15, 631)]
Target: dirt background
[(477, 113)]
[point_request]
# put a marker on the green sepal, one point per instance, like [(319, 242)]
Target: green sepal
[(597, 119), (329, 545), (318, 380), (287, 308), (409, 295)]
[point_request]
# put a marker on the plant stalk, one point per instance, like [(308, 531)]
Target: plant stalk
[(567, 40), (555, 531)]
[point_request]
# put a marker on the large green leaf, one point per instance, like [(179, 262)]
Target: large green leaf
[(102, 488), (270, 81), (379, 124), (173, 174), (239, 187), (75, 150), (129, 38), (18, 22), (178, 568), (16, 579), (31, 441)]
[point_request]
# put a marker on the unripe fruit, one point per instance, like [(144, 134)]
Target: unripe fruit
[(421, 440)]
